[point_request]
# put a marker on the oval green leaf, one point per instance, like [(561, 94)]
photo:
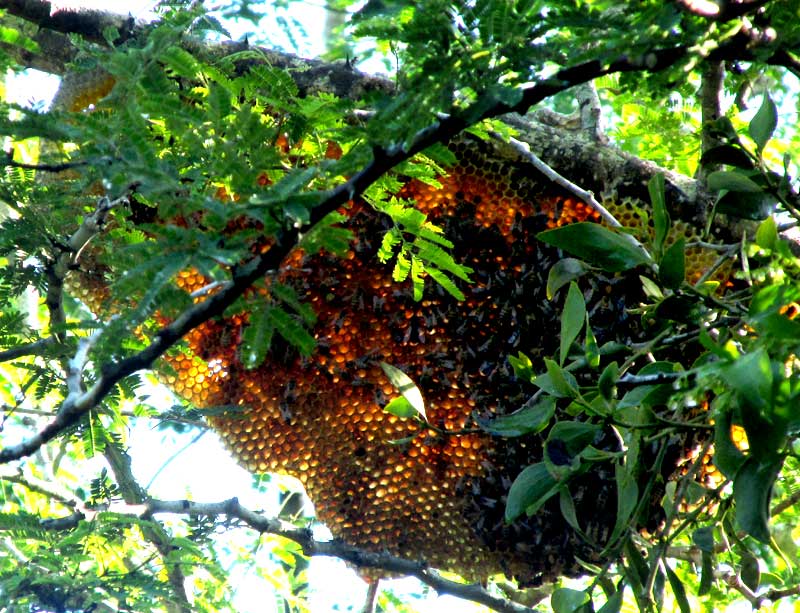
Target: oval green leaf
[(529, 419), (409, 390), (401, 408), (572, 318), (752, 490), (672, 269), (764, 122), (595, 244), (562, 272), (530, 490), (730, 155), (567, 600), (732, 181)]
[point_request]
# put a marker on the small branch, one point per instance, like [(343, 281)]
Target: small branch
[(788, 503), (713, 78), (654, 379), (9, 161), (88, 24), (35, 348), (231, 509), (372, 593), (525, 150), (40, 488)]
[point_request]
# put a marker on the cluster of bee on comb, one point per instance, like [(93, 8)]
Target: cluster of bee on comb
[(385, 483)]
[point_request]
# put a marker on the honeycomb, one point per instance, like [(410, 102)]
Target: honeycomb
[(383, 483)]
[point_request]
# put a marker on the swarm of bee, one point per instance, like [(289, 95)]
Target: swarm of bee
[(388, 484)]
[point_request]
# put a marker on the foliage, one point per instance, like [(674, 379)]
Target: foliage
[(216, 144)]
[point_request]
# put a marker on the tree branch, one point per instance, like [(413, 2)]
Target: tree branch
[(713, 79), (231, 509), (34, 348)]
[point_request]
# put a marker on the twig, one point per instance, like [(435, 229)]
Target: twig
[(654, 379), (172, 457), (9, 161), (372, 593), (786, 504), (34, 348), (525, 150), (40, 488)]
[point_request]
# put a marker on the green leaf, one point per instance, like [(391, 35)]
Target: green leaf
[(608, 380), (567, 506), (611, 251), (572, 318), (749, 571), (677, 588), (402, 267), (13, 37), (529, 419), (706, 573), (559, 382), (672, 268), (523, 367), (767, 233), (627, 497), (661, 218), (445, 281), (591, 350), (401, 407), (529, 491), (703, 538), (567, 600), (391, 239), (256, 338), (418, 278), (403, 383), (732, 181), (751, 377), (754, 206), (562, 272), (291, 329), (575, 435), (614, 602), (752, 490), (730, 155), (763, 124), (727, 457)]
